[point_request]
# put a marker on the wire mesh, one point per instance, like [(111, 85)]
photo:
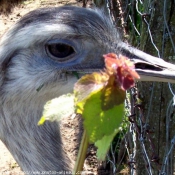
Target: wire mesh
[(139, 122)]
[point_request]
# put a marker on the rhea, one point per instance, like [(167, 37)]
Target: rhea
[(37, 58)]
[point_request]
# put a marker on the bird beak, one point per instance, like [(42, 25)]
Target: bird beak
[(149, 68)]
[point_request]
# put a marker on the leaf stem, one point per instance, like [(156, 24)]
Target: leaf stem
[(81, 154)]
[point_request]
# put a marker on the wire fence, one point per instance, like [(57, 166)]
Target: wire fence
[(131, 16), (139, 123)]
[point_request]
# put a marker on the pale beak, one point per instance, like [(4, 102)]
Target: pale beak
[(149, 68)]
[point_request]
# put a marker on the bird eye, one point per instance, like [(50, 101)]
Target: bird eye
[(60, 50)]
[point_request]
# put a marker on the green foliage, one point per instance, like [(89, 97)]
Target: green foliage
[(104, 144), (101, 122), (100, 99), (56, 109), (101, 125)]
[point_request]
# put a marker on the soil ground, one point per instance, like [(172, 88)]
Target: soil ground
[(70, 129)]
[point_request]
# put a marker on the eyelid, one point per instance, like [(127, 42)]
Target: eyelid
[(62, 41)]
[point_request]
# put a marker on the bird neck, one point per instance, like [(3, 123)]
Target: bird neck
[(35, 148)]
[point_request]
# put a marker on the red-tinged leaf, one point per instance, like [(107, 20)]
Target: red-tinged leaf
[(112, 94), (111, 60), (119, 75), (134, 74), (128, 82), (110, 56), (123, 69)]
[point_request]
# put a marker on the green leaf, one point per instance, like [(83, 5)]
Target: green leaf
[(103, 145), (98, 122), (100, 99), (112, 95), (88, 84), (42, 120), (58, 108)]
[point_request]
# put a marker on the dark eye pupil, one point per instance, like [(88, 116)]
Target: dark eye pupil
[(60, 50)]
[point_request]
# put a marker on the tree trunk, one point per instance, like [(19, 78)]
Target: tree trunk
[(156, 96)]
